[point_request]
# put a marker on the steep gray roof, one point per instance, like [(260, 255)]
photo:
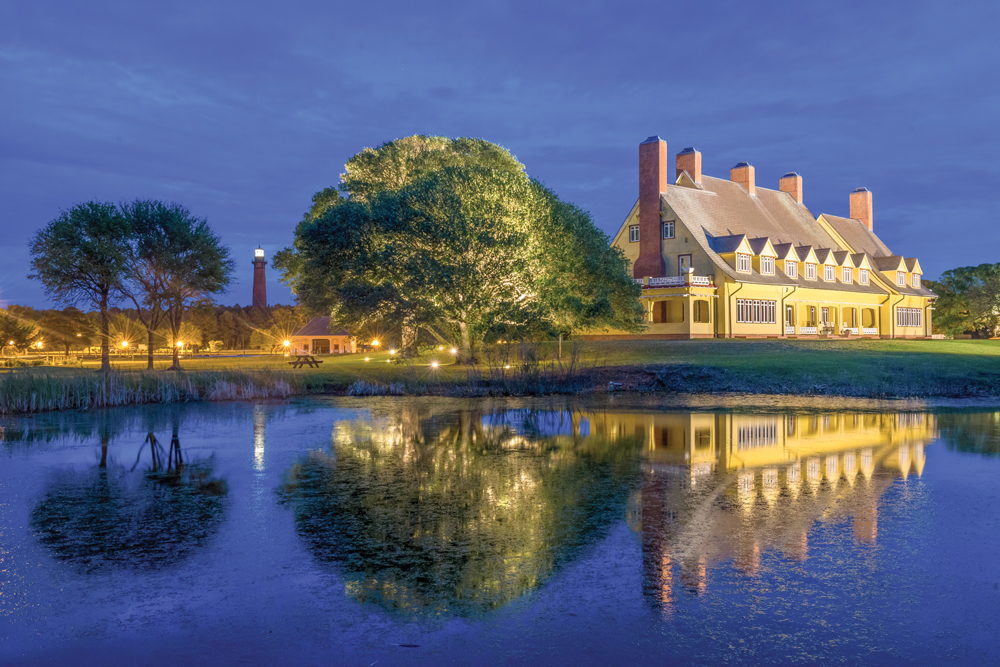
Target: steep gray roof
[(858, 236)]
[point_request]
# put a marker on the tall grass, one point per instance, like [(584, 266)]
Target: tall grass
[(35, 391)]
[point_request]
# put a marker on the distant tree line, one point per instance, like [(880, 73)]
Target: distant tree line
[(968, 301), (207, 326)]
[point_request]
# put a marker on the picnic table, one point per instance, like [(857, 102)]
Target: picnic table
[(305, 360)]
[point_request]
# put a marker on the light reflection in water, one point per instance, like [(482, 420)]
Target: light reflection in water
[(460, 512)]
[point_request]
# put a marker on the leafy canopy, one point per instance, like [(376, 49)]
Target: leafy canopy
[(451, 235)]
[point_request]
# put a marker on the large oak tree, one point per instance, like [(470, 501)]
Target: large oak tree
[(451, 235)]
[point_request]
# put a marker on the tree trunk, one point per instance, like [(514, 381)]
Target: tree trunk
[(560, 344), (149, 348), (408, 338), (104, 451), (175, 330), (105, 335), (465, 351)]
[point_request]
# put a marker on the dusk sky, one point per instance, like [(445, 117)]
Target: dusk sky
[(241, 111)]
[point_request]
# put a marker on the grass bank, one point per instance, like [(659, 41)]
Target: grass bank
[(864, 369)]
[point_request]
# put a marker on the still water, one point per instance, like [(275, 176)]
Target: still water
[(391, 531)]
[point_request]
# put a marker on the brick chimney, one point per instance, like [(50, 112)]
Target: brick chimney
[(743, 174), (861, 207), (792, 184), (689, 160), (652, 183)]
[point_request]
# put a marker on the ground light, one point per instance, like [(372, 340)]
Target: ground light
[(367, 358), (434, 364), (392, 350), (453, 350)]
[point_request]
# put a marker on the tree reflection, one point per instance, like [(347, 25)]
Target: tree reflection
[(111, 516), (975, 432), (453, 513)]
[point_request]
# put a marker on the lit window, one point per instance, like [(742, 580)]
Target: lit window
[(863, 276), (901, 278), (792, 269), (847, 274), (633, 233), (829, 274), (668, 229), (916, 281), (810, 271), (743, 262), (767, 265)]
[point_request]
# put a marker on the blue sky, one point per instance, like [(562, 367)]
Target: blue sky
[(240, 111)]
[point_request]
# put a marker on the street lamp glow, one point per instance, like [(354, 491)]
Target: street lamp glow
[(453, 350), (375, 342), (435, 364), (392, 350), (286, 343), (367, 358), (124, 344), (180, 343)]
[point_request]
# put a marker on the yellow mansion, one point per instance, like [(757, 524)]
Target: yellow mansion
[(727, 258)]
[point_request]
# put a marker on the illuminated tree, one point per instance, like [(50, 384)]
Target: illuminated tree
[(80, 257), (451, 235)]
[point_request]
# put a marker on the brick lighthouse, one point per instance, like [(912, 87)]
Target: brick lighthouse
[(259, 280)]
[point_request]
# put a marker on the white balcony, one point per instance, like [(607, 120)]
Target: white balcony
[(789, 330), (869, 331), (680, 281), (808, 330)]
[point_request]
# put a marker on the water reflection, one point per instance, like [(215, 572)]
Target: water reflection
[(975, 432), (152, 513), (430, 511), (726, 488), (460, 511)]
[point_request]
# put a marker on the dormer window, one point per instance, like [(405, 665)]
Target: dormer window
[(829, 275), (767, 265), (668, 229), (916, 281), (847, 274), (791, 268), (901, 278), (863, 276), (633, 233), (743, 262), (810, 272)]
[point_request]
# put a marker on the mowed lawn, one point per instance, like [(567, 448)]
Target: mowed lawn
[(883, 362)]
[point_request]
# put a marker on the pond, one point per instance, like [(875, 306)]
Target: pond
[(422, 530)]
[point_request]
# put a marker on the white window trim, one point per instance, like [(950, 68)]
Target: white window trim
[(669, 229), (829, 273), (909, 317), (767, 265), (743, 263), (847, 274), (863, 276), (633, 233), (791, 268), (915, 281), (756, 311), (901, 278), (810, 271)]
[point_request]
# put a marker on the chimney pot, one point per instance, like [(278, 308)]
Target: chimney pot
[(689, 160), (792, 184), (743, 175), (861, 207)]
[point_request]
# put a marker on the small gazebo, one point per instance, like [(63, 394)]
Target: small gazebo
[(318, 337)]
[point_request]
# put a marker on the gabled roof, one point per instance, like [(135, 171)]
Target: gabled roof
[(808, 254), (762, 246), (320, 326), (787, 251), (825, 256), (729, 243), (890, 263), (857, 235), (861, 260), (912, 265), (843, 258)]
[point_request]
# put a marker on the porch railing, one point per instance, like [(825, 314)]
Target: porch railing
[(789, 330), (678, 281), (808, 330), (869, 331)]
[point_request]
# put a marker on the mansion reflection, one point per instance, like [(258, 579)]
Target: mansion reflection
[(725, 488)]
